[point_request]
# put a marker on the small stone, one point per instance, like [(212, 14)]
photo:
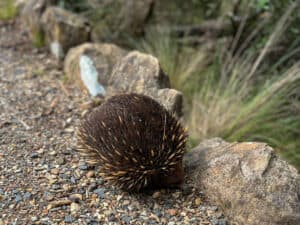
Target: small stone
[(171, 223), (52, 153), (1, 198), (69, 130), (92, 187), (74, 208), (55, 187), (214, 208), (100, 192), (68, 219), (215, 221), (34, 155), (156, 195), (126, 202), (107, 213), (198, 201), (69, 120), (83, 167), (76, 197), (126, 219), (1, 222), (73, 180), (157, 212), (48, 196), (34, 219), (187, 190), (27, 195), (90, 174), (40, 151), (60, 161), (119, 197), (202, 208), (54, 171), (18, 198), (58, 203), (45, 220), (172, 212), (164, 221)]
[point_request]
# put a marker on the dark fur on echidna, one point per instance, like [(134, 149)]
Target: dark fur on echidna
[(135, 141)]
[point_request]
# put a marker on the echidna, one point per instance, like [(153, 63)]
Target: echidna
[(135, 141)]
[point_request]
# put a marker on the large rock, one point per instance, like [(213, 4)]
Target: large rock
[(107, 70), (64, 29), (141, 73), (119, 19), (247, 180), (92, 62), (138, 72), (31, 12)]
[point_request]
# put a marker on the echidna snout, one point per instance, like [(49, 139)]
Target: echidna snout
[(135, 141)]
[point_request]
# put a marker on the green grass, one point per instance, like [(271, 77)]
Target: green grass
[(7, 10), (182, 65), (239, 97)]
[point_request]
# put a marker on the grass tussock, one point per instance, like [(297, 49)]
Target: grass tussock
[(237, 97), (7, 10)]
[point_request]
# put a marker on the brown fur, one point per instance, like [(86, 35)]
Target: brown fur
[(135, 141)]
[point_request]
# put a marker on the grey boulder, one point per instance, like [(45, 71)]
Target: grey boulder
[(247, 180)]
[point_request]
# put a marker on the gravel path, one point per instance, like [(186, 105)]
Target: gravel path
[(42, 180)]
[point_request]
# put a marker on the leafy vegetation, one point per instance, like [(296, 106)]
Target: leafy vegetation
[(7, 10)]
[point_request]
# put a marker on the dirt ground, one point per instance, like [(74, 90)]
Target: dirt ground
[(42, 179)]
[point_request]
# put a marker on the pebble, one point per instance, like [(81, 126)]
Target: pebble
[(156, 195), (73, 180), (172, 212), (54, 171), (198, 201), (45, 220), (27, 195), (74, 208), (75, 197), (126, 219), (90, 174), (55, 187), (100, 192), (83, 167), (215, 221), (60, 161), (68, 219), (213, 208), (92, 187), (53, 153), (1, 222), (126, 202), (119, 197), (18, 198), (34, 218), (34, 155)]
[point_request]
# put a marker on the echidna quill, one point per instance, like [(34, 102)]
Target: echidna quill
[(135, 141)]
